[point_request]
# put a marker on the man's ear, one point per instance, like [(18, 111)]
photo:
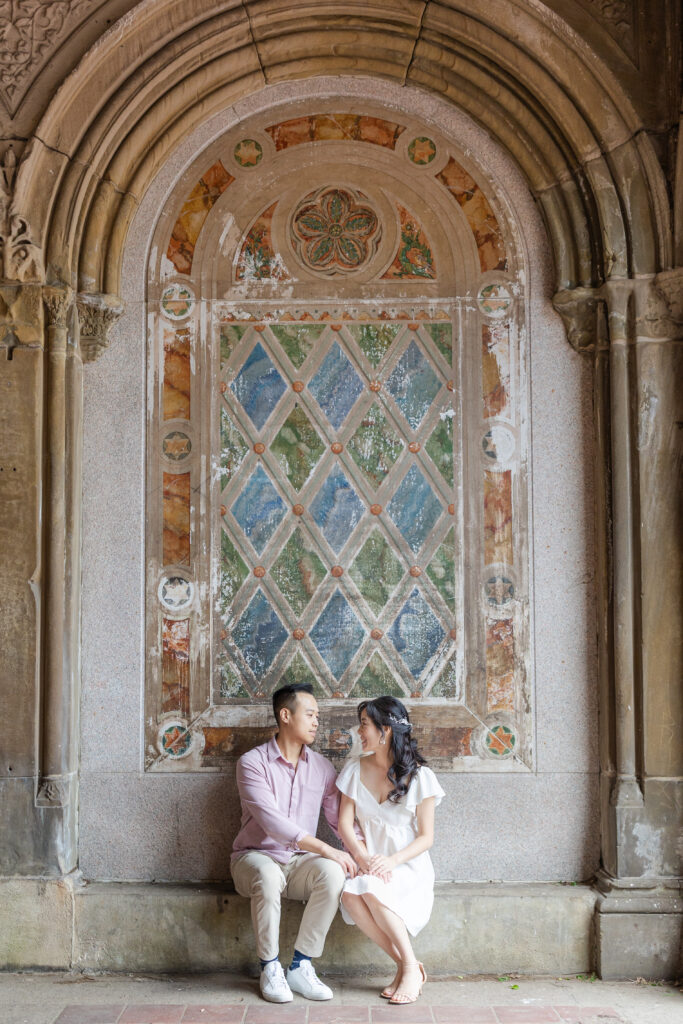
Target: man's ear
[(285, 716)]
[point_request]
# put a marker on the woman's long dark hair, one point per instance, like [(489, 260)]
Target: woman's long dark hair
[(387, 712)]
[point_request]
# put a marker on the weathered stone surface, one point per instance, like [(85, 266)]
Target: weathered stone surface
[(36, 921), (638, 945)]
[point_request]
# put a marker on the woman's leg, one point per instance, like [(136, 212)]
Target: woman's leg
[(357, 909), (392, 926)]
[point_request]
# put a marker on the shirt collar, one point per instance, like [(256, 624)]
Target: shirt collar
[(274, 752)]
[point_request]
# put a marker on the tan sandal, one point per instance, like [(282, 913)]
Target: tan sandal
[(388, 991), (405, 998)]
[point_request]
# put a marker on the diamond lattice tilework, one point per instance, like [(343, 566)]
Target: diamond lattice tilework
[(357, 593)]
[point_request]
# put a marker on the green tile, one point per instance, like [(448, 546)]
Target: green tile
[(298, 571), (442, 336), (375, 446), (297, 447), (233, 447), (440, 448), (297, 340), (376, 571), (441, 570), (374, 340), (233, 573), (447, 683), (231, 335), (299, 671), (232, 685), (376, 680)]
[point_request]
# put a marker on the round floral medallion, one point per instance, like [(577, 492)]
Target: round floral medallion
[(175, 592), (334, 231), (175, 739), (177, 301), (421, 151), (495, 300), (176, 446), (500, 740), (248, 153)]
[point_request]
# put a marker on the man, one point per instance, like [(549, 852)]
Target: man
[(282, 786)]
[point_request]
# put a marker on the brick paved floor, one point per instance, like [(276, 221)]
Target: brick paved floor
[(227, 999)]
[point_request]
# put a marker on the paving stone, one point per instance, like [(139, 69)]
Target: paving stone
[(154, 1013), (100, 1014)]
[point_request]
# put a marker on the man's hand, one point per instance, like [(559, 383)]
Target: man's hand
[(345, 859)]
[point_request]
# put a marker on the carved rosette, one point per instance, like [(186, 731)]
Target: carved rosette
[(334, 231), (96, 314)]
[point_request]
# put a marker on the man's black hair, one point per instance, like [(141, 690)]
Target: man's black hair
[(286, 697)]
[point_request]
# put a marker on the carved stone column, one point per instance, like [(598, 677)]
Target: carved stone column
[(632, 332), (96, 314)]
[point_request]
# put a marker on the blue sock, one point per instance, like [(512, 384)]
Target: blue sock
[(296, 960), (264, 962)]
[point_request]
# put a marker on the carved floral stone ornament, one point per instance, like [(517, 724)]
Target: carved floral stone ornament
[(20, 257), (96, 314), (333, 231)]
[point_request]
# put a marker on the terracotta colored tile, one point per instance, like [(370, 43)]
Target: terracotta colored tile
[(276, 1014), (176, 510), (479, 214), (526, 1014), (464, 1015), (220, 1014), (410, 1013), (257, 259), (495, 368), (291, 133), (177, 371), (329, 1014), (99, 1014), (586, 1013), (154, 1013), (500, 665), (498, 517), (379, 132), (414, 259)]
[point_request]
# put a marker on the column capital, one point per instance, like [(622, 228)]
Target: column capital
[(96, 314), (669, 284), (578, 309), (57, 300)]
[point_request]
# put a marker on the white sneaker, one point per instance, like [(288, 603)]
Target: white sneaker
[(274, 988), (306, 982)]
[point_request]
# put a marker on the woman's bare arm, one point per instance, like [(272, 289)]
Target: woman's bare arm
[(423, 841), (355, 846)]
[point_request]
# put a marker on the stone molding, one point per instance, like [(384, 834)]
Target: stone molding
[(97, 312), (578, 309), (669, 284), (53, 792), (21, 257), (637, 309)]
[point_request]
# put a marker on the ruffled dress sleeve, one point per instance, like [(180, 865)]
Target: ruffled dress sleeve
[(347, 780), (425, 784)]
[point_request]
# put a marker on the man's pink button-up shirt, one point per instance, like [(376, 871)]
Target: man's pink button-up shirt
[(281, 804)]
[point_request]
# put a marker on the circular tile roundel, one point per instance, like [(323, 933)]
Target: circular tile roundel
[(500, 740), (421, 151), (175, 592), (499, 591), (177, 301), (248, 153), (498, 444), (176, 445), (495, 300), (175, 739)]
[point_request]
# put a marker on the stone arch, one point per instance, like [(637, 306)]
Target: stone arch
[(549, 102)]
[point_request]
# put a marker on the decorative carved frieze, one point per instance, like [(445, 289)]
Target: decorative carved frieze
[(578, 309), (21, 317), (20, 257), (96, 314), (29, 32)]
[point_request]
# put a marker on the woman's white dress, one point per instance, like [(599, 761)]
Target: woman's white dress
[(388, 827)]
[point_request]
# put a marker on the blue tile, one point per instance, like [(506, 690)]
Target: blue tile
[(413, 385), (258, 386), (336, 386), (416, 633), (337, 509), (259, 634), (414, 508), (259, 509), (337, 634)]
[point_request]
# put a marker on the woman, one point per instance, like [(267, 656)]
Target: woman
[(392, 794)]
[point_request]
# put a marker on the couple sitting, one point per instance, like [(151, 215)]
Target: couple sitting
[(382, 808)]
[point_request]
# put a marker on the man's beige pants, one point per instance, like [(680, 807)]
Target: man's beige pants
[(306, 876)]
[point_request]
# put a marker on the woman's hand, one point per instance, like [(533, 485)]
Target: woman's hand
[(381, 866)]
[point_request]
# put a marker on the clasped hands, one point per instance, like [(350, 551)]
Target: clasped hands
[(365, 864)]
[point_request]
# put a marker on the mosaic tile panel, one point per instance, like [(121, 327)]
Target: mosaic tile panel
[(233, 448), (500, 665), (374, 340), (376, 571), (414, 259), (258, 386), (176, 513), (298, 571), (376, 680), (259, 634), (298, 340), (498, 517), (441, 570), (258, 260), (414, 508), (176, 386), (234, 571), (375, 446), (442, 336), (480, 216), (439, 447), (299, 671), (230, 337), (413, 385), (175, 666), (337, 509), (336, 386), (338, 634), (495, 369), (193, 214), (259, 509), (416, 633), (335, 128), (297, 447)]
